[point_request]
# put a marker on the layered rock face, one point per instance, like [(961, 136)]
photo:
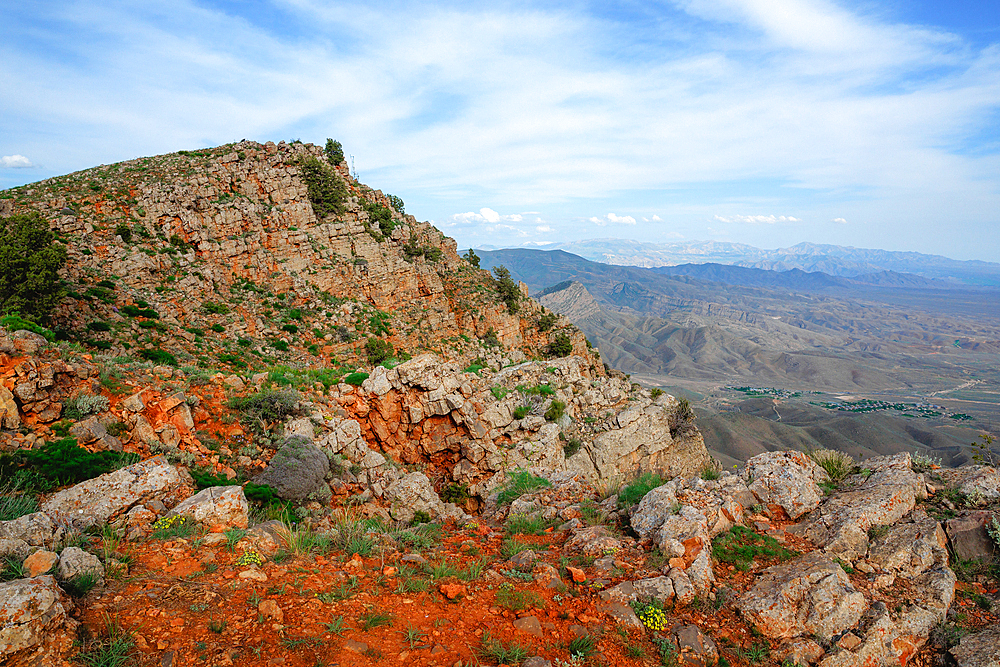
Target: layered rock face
[(476, 426)]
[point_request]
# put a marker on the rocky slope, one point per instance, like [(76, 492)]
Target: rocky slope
[(225, 246)]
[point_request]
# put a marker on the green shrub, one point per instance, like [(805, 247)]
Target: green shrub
[(84, 404), (547, 321), (280, 345), (266, 406), (499, 393), (63, 461), (217, 328), (261, 493), (124, 231), (379, 214), (30, 261), (133, 311), (18, 323), (213, 308), (522, 411), (325, 188), (97, 325), (634, 492), (572, 446), (397, 204), (555, 410), (378, 350), (433, 254), (290, 328), (158, 356), (455, 493), (561, 345), (356, 378), (205, 478), (520, 482), (655, 393)]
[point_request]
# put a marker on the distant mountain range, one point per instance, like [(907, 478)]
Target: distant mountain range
[(833, 260)]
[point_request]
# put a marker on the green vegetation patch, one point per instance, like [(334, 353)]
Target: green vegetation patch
[(520, 482), (740, 546), (30, 261), (631, 494)]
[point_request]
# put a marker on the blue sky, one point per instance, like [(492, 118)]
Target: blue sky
[(769, 122)]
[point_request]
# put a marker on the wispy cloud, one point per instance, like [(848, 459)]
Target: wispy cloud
[(757, 219), (840, 221), (15, 162), (615, 219), (837, 111)]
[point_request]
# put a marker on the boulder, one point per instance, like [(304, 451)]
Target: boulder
[(413, 493), (969, 539), (35, 625), (810, 595), (981, 649), (975, 481), (694, 647), (298, 471), (217, 506), (786, 481), (910, 549), (840, 525), (39, 563), (75, 562), (98, 500), (35, 530), (592, 541)]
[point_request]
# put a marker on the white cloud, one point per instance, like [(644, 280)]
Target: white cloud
[(656, 218), (840, 221), (15, 162), (543, 229), (486, 215), (611, 217), (757, 219)]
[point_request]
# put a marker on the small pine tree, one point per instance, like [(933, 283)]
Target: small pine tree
[(507, 289), (334, 152), (29, 266), (472, 258)]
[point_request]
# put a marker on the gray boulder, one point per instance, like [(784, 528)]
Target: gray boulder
[(35, 625), (969, 539), (74, 562), (413, 493), (810, 595), (34, 530), (222, 506), (840, 525), (785, 480)]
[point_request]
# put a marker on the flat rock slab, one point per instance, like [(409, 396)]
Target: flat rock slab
[(840, 525), (810, 595), (97, 500)]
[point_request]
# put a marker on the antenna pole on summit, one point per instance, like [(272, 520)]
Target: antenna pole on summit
[(354, 174)]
